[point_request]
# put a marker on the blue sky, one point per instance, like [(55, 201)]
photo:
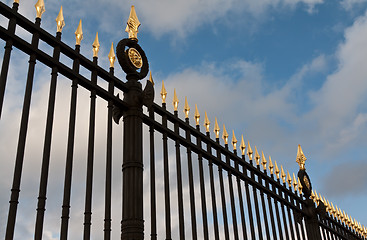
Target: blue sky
[(281, 72)]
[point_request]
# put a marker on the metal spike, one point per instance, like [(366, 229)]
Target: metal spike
[(243, 146), (112, 57), (276, 169), (16, 1), (163, 93), (96, 46), (257, 157), (216, 129), (206, 123), (234, 141), (175, 100), (40, 8), (60, 21), (271, 166), (133, 24), (299, 186), (186, 108), (249, 150), (289, 179), (225, 135), (282, 173), (294, 182), (197, 115), (151, 78), (263, 160), (301, 158), (79, 33)]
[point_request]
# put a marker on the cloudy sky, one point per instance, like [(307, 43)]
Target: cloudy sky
[(281, 72)]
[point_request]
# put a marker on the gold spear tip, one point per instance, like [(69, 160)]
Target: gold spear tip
[(151, 78), (163, 93), (243, 146), (249, 150), (216, 128), (301, 158), (225, 135), (16, 1), (263, 160), (257, 156), (133, 24), (112, 56), (197, 115), (96, 46), (40, 8), (186, 108), (276, 169), (175, 100), (206, 122), (271, 166), (294, 182), (60, 21), (289, 179), (282, 173), (234, 141), (79, 33)]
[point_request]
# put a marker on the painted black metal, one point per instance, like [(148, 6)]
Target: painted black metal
[(153, 209), (181, 218)]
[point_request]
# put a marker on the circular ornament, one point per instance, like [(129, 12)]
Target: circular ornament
[(135, 57), (305, 182)]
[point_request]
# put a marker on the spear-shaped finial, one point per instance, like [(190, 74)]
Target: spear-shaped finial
[(249, 151), (289, 179), (271, 166), (79, 33), (257, 157), (243, 146), (16, 1), (112, 57), (197, 115), (96, 46), (263, 160), (276, 169), (151, 78), (206, 123), (175, 100), (163, 93), (234, 141), (60, 21), (301, 158), (282, 173), (186, 108), (216, 129), (133, 24), (299, 186), (40, 8), (225, 135), (294, 182)]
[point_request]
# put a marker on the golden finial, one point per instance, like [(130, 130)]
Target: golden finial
[(206, 123), (16, 1), (60, 21), (243, 146), (225, 135), (112, 57), (197, 115), (151, 78), (186, 108), (40, 8), (294, 182), (271, 166), (249, 151), (79, 33), (282, 173), (234, 141), (263, 160), (289, 179), (163, 93), (96, 46), (132, 24), (299, 186), (301, 158), (276, 169), (175, 100), (257, 156), (216, 129)]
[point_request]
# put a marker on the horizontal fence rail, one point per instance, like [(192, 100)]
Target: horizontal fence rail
[(193, 185)]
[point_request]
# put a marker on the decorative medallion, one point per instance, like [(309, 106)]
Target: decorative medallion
[(305, 182), (135, 57)]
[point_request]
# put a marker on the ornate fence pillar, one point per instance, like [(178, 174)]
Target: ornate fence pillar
[(135, 64)]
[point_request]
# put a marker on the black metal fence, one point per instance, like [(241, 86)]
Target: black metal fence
[(192, 187)]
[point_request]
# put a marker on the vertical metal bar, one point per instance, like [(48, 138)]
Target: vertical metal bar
[(47, 147), (263, 206), (298, 203), (293, 200), (166, 179), (181, 219), (279, 223), (223, 197), (249, 207), (240, 198), (153, 211), (191, 188), (202, 188), (69, 154), (231, 195), (271, 209), (280, 193), (90, 157), (108, 183), (22, 139), (212, 191), (289, 218), (260, 232), (6, 58)]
